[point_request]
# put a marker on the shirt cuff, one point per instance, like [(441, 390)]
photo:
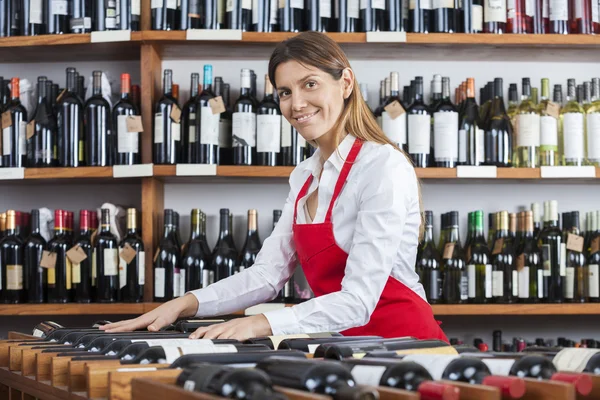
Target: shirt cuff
[(208, 302), (283, 321)]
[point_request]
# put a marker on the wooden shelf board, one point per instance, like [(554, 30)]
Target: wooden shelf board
[(436, 173), (516, 309), (68, 173), (518, 173), (252, 171), (71, 309), (163, 170)]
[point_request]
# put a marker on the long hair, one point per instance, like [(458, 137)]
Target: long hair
[(318, 50)]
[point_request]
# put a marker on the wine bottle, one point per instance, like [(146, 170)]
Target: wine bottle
[(372, 347), (168, 354), (175, 230), (548, 127), (494, 17), (33, 23), (244, 124), (96, 118), (36, 277), (40, 147), (576, 271), (82, 271), (191, 14), (550, 244), (59, 277), (419, 126), (419, 16), (81, 21), (195, 260), (577, 360), (225, 149), (107, 261), (558, 12), (290, 15), (527, 130), (394, 128), (164, 15), (14, 148), (455, 279), (222, 380), (250, 358), (372, 15), (11, 263), (58, 17), (132, 274), (445, 17), (188, 123), (207, 125), (503, 260), (45, 329), (479, 265), (428, 263), (445, 129), (128, 143), (252, 245), (347, 15), (593, 260), (268, 128), (471, 149), (498, 131), (167, 134), (224, 255), (166, 260), (572, 131), (529, 264), (70, 125)]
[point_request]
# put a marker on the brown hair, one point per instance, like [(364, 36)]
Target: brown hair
[(318, 50)]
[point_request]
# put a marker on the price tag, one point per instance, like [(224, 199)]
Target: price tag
[(213, 34), (48, 259), (595, 247), (128, 253), (216, 105), (6, 120), (134, 123), (520, 262), (498, 246), (575, 242), (553, 109), (448, 250), (386, 37), (394, 109), (110, 36), (76, 254), (60, 96), (30, 129), (175, 114)]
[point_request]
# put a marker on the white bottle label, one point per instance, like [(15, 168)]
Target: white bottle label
[(424, 4), (111, 262), (524, 283), (594, 281), (498, 366), (379, 4), (477, 18), (498, 283), (325, 8), (209, 126), (559, 10), (229, 6), (60, 7), (419, 127), (268, 133), (530, 8), (159, 134), (549, 131), (255, 11), (23, 138), (368, 374), (299, 4), (445, 135), (35, 12), (6, 142), (494, 10), (208, 278), (173, 353), (540, 284), (434, 363), (515, 283), (94, 268), (595, 13), (573, 359), (394, 129), (172, 4), (545, 8), (488, 282), (570, 283), (192, 129), (352, 8), (159, 282), (593, 135), (286, 133), (136, 7), (141, 256), (573, 135), (127, 142), (244, 129), (181, 290), (442, 4), (529, 130), (175, 131), (122, 272), (462, 146), (176, 283), (563, 259), (578, 8), (472, 280)]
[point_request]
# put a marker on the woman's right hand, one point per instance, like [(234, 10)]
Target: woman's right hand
[(163, 315)]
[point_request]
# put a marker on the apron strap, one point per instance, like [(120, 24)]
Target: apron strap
[(343, 175), (301, 194)]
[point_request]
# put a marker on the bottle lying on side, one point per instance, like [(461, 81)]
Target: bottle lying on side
[(168, 354)]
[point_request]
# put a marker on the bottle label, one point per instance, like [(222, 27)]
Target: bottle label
[(442, 4), (128, 142), (286, 133), (548, 133), (445, 135), (172, 4), (570, 283), (209, 126), (229, 6), (546, 259), (111, 262), (540, 284), (435, 283), (159, 282), (578, 8), (6, 142), (594, 281), (175, 131), (545, 8), (76, 272), (472, 275), (488, 281), (395, 129), (510, 8), (477, 17), (368, 374), (435, 364), (35, 12), (51, 276), (255, 6), (181, 290), (419, 127), (173, 353), (462, 146), (122, 271), (559, 10), (497, 283), (530, 8), (208, 278), (176, 283), (14, 277), (464, 286), (111, 22), (141, 260), (94, 268), (563, 259), (498, 366), (299, 4), (244, 129), (268, 133), (593, 135), (136, 7), (159, 134), (494, 10), (424, 4), (573, 359), (60, 7), (524, 283), (225, 134), (68, 273), (515, 283), (192, 129), (23, 138), (595, 14), (529, 130), (405, 10)]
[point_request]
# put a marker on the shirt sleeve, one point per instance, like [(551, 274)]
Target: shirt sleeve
[(274, 265), (383, 206)]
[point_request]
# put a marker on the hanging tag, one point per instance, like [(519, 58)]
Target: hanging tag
[(394, 109), (76, 254), (448, 250), (134, 123), (6, 120), (216, 105), (520, 262), (498, 246), (30, 129), (175, 114), (48, 259), (575, 242), (128, 253), (60, 96), (553, 109)]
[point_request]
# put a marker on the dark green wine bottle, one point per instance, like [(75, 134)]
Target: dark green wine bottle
[(550, 244), (195, 259), (576, 273), (107, 261), (479, 267), (455, 286), (428, 263), (504, 273), (529, 263)]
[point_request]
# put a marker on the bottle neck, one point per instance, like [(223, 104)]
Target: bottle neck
[(453, 234), (224, 228), (194, 86), (97, 85), (35, 223), (428, 234), (41, 89), (196, 228), (71, 82)]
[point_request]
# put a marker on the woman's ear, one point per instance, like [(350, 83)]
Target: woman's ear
[(347, 82)]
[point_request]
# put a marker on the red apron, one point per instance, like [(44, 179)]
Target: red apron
[(399, 312)]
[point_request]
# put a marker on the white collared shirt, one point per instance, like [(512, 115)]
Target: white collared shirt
[(375, 220)]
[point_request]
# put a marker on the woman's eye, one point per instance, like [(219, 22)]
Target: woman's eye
[(284, 93), (311, 84)]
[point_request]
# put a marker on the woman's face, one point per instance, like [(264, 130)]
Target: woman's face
[(311, 99)]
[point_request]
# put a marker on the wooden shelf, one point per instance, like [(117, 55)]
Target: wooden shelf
[(68, 173), (72, 309)]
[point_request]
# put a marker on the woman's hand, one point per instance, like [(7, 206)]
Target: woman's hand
[(163, 315), (240, 329)]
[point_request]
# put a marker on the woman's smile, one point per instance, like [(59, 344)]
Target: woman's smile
[(303, 119)]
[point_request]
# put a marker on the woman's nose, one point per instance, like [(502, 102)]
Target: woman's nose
[(298, 101)]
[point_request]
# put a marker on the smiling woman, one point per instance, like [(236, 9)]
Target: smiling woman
[(351, 220)]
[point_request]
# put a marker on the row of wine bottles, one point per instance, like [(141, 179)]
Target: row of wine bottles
[(68, 131), (517, 264), (526, 135), (422, 16), (39, 17)]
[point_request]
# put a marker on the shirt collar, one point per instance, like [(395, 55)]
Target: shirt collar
[(336, 159)]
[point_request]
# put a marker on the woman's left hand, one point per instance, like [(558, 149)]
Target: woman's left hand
[(240, 329)]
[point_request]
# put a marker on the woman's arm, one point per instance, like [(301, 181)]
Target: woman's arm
[(387, 193)]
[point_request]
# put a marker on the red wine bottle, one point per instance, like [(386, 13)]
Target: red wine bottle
[(59, 277), (36, 277), (166, 261), (224, 256), (347, 15), (268, 128), (252, 245), (195, 259), (207, 123), (11, 263), (419, 126), (420, 16), (132, 274), (82, 271), (189, 110), (167, 135), (57, 17), (14, 147), (290, 15), (107, 262), (40, 147), (244, 123), (225, 149), (96, 118), (372, 15), (70, 125), (428, 263), (128, 143)]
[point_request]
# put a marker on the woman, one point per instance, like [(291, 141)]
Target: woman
[(352, 220)]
